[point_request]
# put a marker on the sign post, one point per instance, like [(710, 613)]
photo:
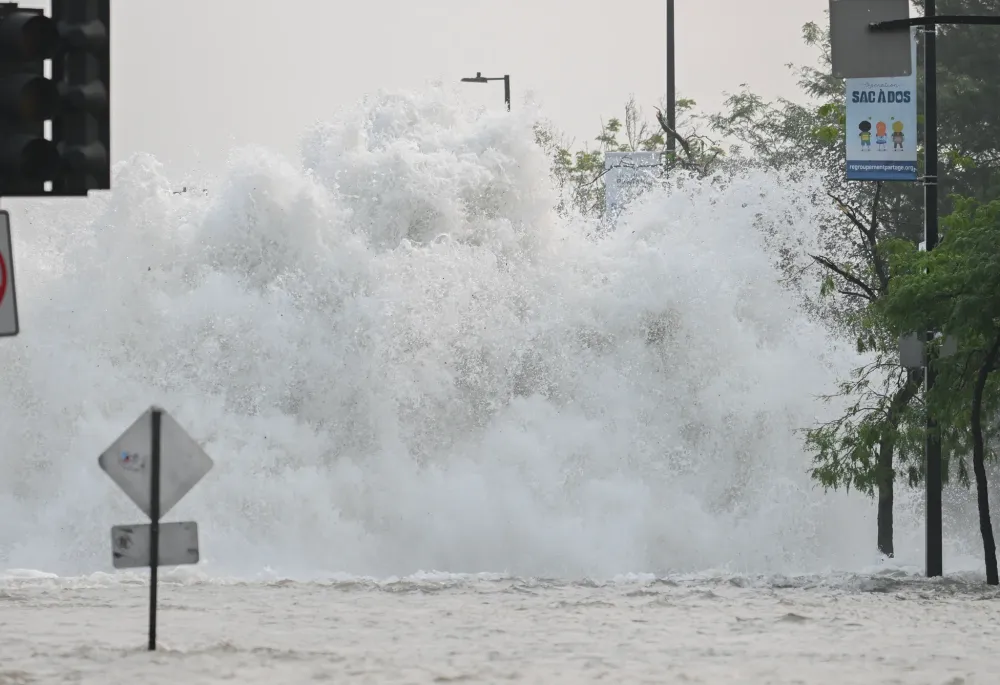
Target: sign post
[(9, 325), (155, 462)]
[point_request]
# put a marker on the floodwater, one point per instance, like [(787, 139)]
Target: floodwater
[(821, 631)]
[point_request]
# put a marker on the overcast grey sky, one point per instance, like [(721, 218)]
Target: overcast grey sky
[(194, 77)]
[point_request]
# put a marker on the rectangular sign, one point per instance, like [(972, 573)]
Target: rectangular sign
[(8, 300), (881, 125), (130, 545), (626, 174), (858, 52)]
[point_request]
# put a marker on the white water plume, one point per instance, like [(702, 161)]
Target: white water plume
[(401, 358)]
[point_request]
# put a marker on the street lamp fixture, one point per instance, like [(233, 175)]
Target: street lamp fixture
[(479, 78)]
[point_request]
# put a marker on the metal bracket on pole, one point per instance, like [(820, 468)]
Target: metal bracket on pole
[(932, 22)]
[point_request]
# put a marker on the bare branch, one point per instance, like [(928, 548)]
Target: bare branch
[(870, 294), (872, 235), (851, 293), (685, 143), (618, 166)]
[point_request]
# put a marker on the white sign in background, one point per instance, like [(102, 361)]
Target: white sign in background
[(882, 126), (627, 174)]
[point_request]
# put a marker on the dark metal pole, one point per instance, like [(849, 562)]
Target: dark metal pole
[(154, 528), (935, 562), (671, 82), (935, 20), (506, 90)]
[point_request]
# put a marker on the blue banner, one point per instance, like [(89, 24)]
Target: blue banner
[(878, 170)]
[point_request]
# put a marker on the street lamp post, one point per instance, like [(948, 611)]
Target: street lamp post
[(671, 83), (479, 78)]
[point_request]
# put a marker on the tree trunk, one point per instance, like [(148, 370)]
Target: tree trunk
[(978, 465), (884, 468), (885, 497)]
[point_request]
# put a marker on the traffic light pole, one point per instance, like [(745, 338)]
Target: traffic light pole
[(932, 447)]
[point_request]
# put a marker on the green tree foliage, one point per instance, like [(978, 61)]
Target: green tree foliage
[(880, 434), (874, 438), (580, 174), (955, 289), (879, 437)]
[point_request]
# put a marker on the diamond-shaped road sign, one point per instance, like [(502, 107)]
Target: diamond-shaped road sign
[(8, 300), (131, 545), (858, 52), (182, 462)]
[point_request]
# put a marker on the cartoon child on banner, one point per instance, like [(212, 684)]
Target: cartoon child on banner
[(897, 136), (865, 135), (880, 136)]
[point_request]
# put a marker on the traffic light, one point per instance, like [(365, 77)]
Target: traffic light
[(76, 100), (82, 71), (27, 100)]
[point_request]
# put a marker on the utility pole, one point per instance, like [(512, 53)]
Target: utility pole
[(671, 84), (935, 482)]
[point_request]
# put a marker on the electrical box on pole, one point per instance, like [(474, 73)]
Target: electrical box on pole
[(76, 100)]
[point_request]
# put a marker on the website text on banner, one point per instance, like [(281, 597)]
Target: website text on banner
[(882, 127)]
